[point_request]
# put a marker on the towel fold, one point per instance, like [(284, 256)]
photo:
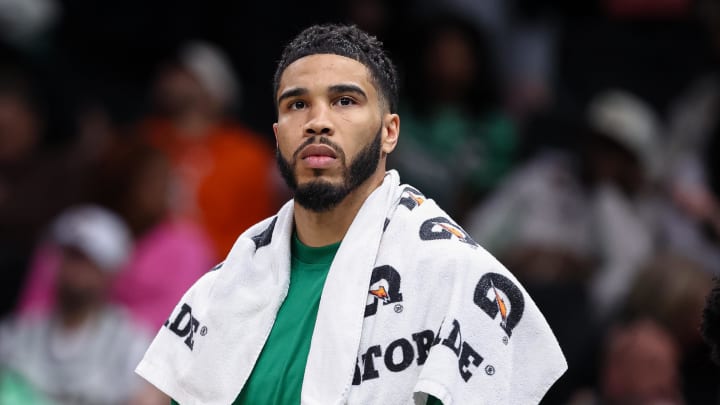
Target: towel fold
[(411, 306)]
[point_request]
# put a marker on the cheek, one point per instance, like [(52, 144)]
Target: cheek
[(286, 148), (369, 132), (284, 142)]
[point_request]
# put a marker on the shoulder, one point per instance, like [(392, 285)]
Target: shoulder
[(434, 237), (261, 233)]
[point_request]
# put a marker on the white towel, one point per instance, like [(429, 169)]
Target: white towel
[(411, 306)]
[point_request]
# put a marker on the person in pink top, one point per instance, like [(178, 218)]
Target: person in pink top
[(168, 255)]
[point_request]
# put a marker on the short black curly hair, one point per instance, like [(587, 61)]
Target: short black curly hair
[(350, 42), (710, 327)]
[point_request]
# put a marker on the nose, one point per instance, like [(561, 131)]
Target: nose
[(319, 122)]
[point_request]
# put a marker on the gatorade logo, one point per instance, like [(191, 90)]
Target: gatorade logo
[(443, 228), (496, 295), (185, 325), (385, 287), (411, 198), (405, 352)]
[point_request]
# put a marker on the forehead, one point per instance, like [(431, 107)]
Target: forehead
[(324, 70)]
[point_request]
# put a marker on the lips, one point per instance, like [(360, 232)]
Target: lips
[(318, 156), (318, 150)]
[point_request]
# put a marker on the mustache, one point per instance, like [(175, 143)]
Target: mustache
[(322, 140)]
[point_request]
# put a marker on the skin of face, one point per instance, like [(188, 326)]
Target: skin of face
[(332, 97), (81, 283)]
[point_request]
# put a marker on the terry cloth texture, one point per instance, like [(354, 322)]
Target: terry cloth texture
[(411, 306)]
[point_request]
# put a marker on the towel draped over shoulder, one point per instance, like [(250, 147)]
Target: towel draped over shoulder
[(411, 306)]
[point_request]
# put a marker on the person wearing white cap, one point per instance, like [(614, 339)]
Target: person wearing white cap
[(623, 162), (84, 350), (99, 235), (597, 208)]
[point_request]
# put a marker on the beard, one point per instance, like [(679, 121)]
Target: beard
[(320, 195)]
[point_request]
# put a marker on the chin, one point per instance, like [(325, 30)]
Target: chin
[(312, 175), (319, 179)]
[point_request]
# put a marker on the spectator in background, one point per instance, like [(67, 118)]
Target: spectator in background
[(670, 290), (597, 210), (226, 172), (522, 37), (36, 182), (692, 220), (170, 254), (651, 352), (620, 165), (537, 223), (640, 366), (562, 220), (457, 142), (85, 349)]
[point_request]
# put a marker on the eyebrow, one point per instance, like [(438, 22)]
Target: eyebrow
[(347, 88), (294, 92), (334, 89)]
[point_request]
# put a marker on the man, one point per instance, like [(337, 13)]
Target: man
[(84, 350), (359, 290), (640, 365)]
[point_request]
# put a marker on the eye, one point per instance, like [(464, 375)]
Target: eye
[(297, 105), (346, 101)]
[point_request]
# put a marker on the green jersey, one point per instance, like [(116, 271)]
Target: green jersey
[(278, 373)]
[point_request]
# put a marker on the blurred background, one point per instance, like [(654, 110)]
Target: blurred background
[(574, 140)]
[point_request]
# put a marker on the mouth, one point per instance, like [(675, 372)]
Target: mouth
[(318, 156)]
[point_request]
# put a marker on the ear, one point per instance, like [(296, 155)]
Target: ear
[(390, 133), (275, 131)]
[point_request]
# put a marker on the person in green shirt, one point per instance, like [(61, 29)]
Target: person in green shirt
[(458, 143), (333, 129), (308, 307)]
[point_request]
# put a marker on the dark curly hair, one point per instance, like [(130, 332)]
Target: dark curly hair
[(710, 327), (350, 42)]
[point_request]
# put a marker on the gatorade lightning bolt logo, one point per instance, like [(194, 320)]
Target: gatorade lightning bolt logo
[(501, 306), (411, 198), (458, 234), (385, 287), (441, 228), (489, 298), (417, 198), (381, 294)]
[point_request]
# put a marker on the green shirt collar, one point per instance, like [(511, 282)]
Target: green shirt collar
[(313, 255)]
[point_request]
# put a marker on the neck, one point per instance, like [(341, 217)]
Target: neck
[(327, 227)]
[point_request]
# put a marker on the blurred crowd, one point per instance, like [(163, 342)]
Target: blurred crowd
[(573, 140)]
